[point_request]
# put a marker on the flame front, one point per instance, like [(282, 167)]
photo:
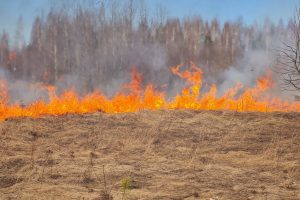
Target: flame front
[(136, 98)]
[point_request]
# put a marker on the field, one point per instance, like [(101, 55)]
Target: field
[(152, 155)]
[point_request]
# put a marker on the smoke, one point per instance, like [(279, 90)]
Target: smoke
[(259, 60), (253, 65), (21, 91), (150, 60)]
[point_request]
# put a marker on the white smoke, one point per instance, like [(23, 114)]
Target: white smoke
[(253, 65), (20, 91)]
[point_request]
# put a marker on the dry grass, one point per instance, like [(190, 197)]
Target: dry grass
[(165, 154)]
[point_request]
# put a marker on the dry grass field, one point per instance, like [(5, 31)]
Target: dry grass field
[(158, 155)]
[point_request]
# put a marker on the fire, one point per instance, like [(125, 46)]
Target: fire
[(3, 98), (134, 97)]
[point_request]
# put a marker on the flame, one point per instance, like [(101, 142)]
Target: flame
[(133, 98), (3, 98)]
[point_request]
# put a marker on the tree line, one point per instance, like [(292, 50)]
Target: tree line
[(101, 43)]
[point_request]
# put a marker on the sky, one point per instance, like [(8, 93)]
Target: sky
[(249, 10)]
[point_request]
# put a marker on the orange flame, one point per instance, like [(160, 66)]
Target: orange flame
[(252, 99)]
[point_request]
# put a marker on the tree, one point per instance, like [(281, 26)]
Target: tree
[(289, 57), (19, 37), (4, 48)]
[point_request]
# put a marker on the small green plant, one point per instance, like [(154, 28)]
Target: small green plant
[(125, 186)]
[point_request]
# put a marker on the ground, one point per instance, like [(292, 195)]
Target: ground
[(162, 154)]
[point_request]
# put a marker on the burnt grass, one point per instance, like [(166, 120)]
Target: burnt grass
[(166, 154)]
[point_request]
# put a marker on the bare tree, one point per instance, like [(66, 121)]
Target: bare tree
[(289, 57), (4, 48), (19, 37)]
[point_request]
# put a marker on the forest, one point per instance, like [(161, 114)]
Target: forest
[(96, 45)]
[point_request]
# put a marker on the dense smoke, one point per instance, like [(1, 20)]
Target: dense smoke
[(95, 46)]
